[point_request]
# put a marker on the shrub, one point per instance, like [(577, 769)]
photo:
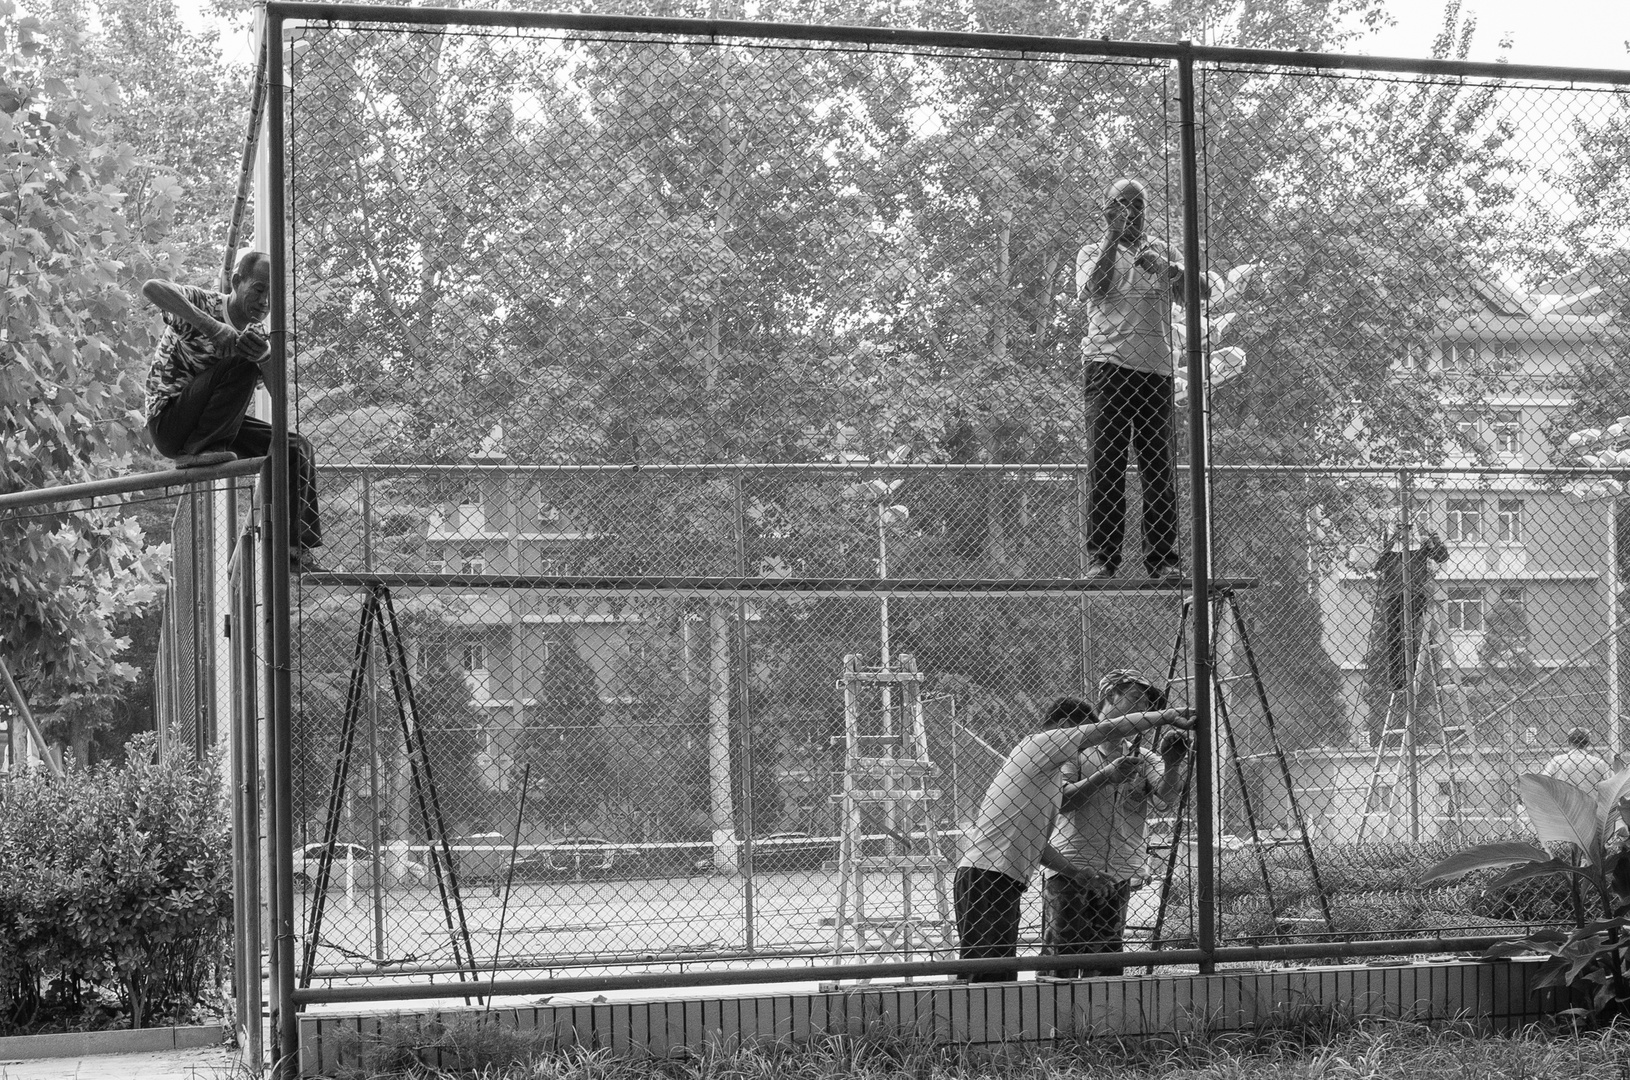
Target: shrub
[(115, 887)]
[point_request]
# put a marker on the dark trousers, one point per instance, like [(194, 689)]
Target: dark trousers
[(212, 413), (1393, 669), (1130, 410), (987, 919), (1075, 920)]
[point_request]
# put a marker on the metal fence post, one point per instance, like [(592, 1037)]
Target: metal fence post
[(285, 1023), (1412, 767), (743, 695), (1199, 515)]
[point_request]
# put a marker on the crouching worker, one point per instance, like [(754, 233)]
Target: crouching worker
[(1009, 839), (203, 378)]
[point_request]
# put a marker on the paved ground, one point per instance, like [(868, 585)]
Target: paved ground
[(578, 922), (207, 1063)]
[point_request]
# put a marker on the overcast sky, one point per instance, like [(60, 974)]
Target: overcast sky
[(1576, 33)]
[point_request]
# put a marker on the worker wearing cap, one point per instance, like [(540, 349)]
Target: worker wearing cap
[(1103, 825), (1008, 840)]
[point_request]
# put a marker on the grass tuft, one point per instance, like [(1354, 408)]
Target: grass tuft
[(1303, 1044)]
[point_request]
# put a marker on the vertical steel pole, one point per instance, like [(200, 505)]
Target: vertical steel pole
[(1083, 609), (375, 833), (250, 697), (285, 1022), (196, 626), (1406, 531), (1610, 585), (241, 850), (1199, 513), (744, 669)]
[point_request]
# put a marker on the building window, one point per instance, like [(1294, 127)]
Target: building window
[(1505, 357), (472, 515), (1465, 521), (1508, 521), (1515, 596), (1458, 357), (1505, 431), (473, 564), (550, 647), (1465, 608), (1467, 433), (475, 657)]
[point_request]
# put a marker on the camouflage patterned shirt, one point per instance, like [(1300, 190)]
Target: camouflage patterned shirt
[(184, 350)]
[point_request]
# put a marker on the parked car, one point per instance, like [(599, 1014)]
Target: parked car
[(793, 851), (571, 857), (783, 851), (397, 868)]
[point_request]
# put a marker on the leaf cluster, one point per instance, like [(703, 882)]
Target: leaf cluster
[(115, 885), (1591, 848)]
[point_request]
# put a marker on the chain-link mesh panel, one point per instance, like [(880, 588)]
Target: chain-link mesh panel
[(634, 365), (1407, 320), (513, 252)]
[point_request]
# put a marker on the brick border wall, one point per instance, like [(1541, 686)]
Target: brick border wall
[(1495, 994)]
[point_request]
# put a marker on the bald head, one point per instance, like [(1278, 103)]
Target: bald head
[(1127, 190), (1125, 206)]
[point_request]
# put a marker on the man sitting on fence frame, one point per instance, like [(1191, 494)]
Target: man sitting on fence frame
[(1009, 838), (203, 379)]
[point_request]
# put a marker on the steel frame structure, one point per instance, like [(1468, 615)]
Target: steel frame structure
[(277, 15)]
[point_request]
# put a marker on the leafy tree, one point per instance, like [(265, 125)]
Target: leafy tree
[(646, 257), (67, 394)]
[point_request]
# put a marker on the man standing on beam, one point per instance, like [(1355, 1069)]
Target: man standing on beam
[(203, 379), (1127, 287)]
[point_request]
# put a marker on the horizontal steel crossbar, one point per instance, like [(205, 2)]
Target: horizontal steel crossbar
[(1030, 46), (650, 980), (792, 588), (118, 485)]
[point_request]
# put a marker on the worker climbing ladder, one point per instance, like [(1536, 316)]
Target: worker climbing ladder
[(1434, 693), (888, 826)]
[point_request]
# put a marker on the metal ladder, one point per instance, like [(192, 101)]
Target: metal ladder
[(885, 797), (1431, 681)]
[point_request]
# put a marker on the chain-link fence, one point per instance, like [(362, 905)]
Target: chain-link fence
[(720, 442)]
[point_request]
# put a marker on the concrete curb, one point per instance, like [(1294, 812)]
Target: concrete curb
[(87, 1043)]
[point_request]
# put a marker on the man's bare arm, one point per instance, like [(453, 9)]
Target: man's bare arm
[(1132, 723), (1174, 758), (1116, 772), (1102, 276), (168, 298), (1054, 861)]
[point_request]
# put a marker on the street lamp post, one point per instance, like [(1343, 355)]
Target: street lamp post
[(887, 515)]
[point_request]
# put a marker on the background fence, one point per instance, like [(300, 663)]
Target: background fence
[(643, 362)]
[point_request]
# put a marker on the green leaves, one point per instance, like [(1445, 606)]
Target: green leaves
[(117, 879), (1487, 857), (1560, 812), (86, 215)]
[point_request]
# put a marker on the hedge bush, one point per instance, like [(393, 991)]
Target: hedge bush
[(115, 894)]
